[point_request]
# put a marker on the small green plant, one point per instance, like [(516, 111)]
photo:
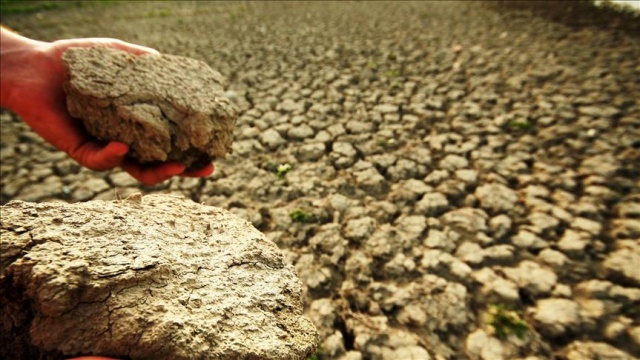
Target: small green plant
[(282, 170), (301, 216), (385, 143), (315, 356), (372, 65), (505, 322), (520, 124), (158, 13), (393, 73), (279, 169)]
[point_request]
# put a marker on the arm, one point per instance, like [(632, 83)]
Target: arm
[(31, 81)]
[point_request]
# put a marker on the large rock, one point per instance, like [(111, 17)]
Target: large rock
[(167, 108), (592, 350), (147, 277), (623, 264), (496, 197), (555, 317)]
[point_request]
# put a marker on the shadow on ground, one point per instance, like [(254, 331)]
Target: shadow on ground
[(577, 14)]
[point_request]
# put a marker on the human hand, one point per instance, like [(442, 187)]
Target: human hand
[(32, 78)]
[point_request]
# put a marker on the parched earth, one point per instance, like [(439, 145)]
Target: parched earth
[(464, 178)]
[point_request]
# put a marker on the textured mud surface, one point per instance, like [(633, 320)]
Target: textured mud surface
[(168, 108), (459, 173), (147, 277)]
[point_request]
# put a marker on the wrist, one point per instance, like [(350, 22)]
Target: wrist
[(16, 54)]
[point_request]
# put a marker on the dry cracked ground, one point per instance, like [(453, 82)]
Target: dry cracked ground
[(450, 180)]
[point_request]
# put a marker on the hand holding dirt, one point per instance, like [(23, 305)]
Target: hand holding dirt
[(167, 108)]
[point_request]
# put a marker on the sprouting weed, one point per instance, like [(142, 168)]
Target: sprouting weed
[(282, 170), (505, 322), (394, 73), (520, 124), (301, 216)]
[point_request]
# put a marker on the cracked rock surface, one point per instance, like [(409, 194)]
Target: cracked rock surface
[(166, 107), (147, 277), (445, 159)]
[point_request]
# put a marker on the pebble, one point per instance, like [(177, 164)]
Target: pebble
[(553, 258), (625, 228), (437, 239), (323, 315), (300, 132), (469, 177), (405, 169), (500, 253), (272, 139), (432, 204), (420, 154), (343, 154), (412, 226), (410, 353), (359, 229), (480, 345), (310, 151), (470, 252), (386, 108), (49, 188), (371, 182), (66, 166), (591, 350), (496, 198), (453, 162), (634, 334), (542, 224), (623, 261), (122, 179), (466, 220), (444, 264), (359, 127), (333, 345), (573, 243), (556, 317), (436, 177), (531, 277), (590, 226), (494, 287), (527, 240), (500, 225), (352, 355)]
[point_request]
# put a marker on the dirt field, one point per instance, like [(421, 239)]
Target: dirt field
[(464, 177)]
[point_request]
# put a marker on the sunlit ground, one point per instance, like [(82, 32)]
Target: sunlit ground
[(634, 4)]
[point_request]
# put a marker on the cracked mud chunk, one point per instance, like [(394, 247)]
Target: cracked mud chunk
[(147, 277), (166, 107)]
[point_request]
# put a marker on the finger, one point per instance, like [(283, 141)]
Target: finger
[(132, 48), (202, 172), (63, 45), (151, 175), (99, 158)]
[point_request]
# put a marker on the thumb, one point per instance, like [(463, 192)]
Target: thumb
[(97, 158), (133, 48)]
